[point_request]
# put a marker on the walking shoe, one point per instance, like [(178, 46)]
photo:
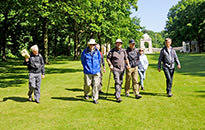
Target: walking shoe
[(101, 92), (142, 88), (37, 101), (138, 96), (170, 94), (30, 99), (86, 97), (119, 100), (127, 94), (95, 101)]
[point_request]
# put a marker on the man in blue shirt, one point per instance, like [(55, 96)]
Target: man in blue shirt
[(90, 60)]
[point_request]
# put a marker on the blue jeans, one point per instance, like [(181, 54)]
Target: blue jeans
[(142, 77)]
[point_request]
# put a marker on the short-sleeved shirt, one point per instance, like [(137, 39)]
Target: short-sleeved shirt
[(117, 58)]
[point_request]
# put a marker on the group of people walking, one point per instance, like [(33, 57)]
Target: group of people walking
[(131, 60), (119, 60)]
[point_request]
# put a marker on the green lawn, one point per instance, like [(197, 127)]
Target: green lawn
[(62, 106)]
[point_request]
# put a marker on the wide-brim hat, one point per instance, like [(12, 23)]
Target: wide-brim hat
[(118, 41), (92, 41)]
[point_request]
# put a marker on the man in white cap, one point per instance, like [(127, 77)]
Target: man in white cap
[(36, 71), (116, 58), (90, 59)]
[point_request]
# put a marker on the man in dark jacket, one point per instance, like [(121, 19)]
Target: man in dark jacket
[(36, 71), (133, 57), (116, 58), (168, 56)]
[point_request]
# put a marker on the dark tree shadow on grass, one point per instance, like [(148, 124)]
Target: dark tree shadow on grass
[(17, 99), (61, 70), (74, 89), (202, 92), (13, 73)]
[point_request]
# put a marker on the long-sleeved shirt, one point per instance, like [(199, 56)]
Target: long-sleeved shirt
[(91, 61), (35, 64), (133, 57), (143, 62), (168, 57)]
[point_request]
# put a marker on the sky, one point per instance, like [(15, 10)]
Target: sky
[(153, 13)]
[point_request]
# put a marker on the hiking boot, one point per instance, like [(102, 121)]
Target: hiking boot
[(119, 100), (86, 97), (30, 99), (170, 94), (101, 92), (95, 101), (37, 101), (138, 96), (127, 94)]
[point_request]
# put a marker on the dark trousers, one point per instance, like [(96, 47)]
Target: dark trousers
[(169, 76), (118, 77)]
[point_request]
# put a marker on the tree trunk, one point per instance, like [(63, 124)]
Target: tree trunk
[(45, 39), (75, 47), (55, 44), (69, 47), (5, 35), (100, 43)]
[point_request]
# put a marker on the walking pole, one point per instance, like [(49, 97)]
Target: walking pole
[(108, 84)]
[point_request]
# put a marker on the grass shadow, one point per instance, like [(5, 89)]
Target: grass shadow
[(154, 94), (74, 89), (60, 70), (17, 99)]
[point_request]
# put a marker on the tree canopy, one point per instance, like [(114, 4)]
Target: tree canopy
[(63, 27), (186, 22)]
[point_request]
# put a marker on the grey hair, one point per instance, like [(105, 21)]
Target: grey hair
[(167, 39), (34, 47)]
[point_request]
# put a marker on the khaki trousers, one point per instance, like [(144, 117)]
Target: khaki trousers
[(93, 79), (132, 74)]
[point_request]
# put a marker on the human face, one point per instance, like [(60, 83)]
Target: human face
[(141, 52), (92, 46), (118, 45), (168, 43), (132, 45), (35, 52)]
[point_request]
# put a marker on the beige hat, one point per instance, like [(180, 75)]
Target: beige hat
[(118, 40), (92, 41)]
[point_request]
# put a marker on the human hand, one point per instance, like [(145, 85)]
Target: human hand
[(128, 66), (111, 67), (104, 70), (179, 66), (43, 76), (26, 59), (159, 70)]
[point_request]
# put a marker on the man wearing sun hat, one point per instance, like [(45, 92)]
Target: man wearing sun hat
[(90, 60), (116, 58), (131, 74)]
